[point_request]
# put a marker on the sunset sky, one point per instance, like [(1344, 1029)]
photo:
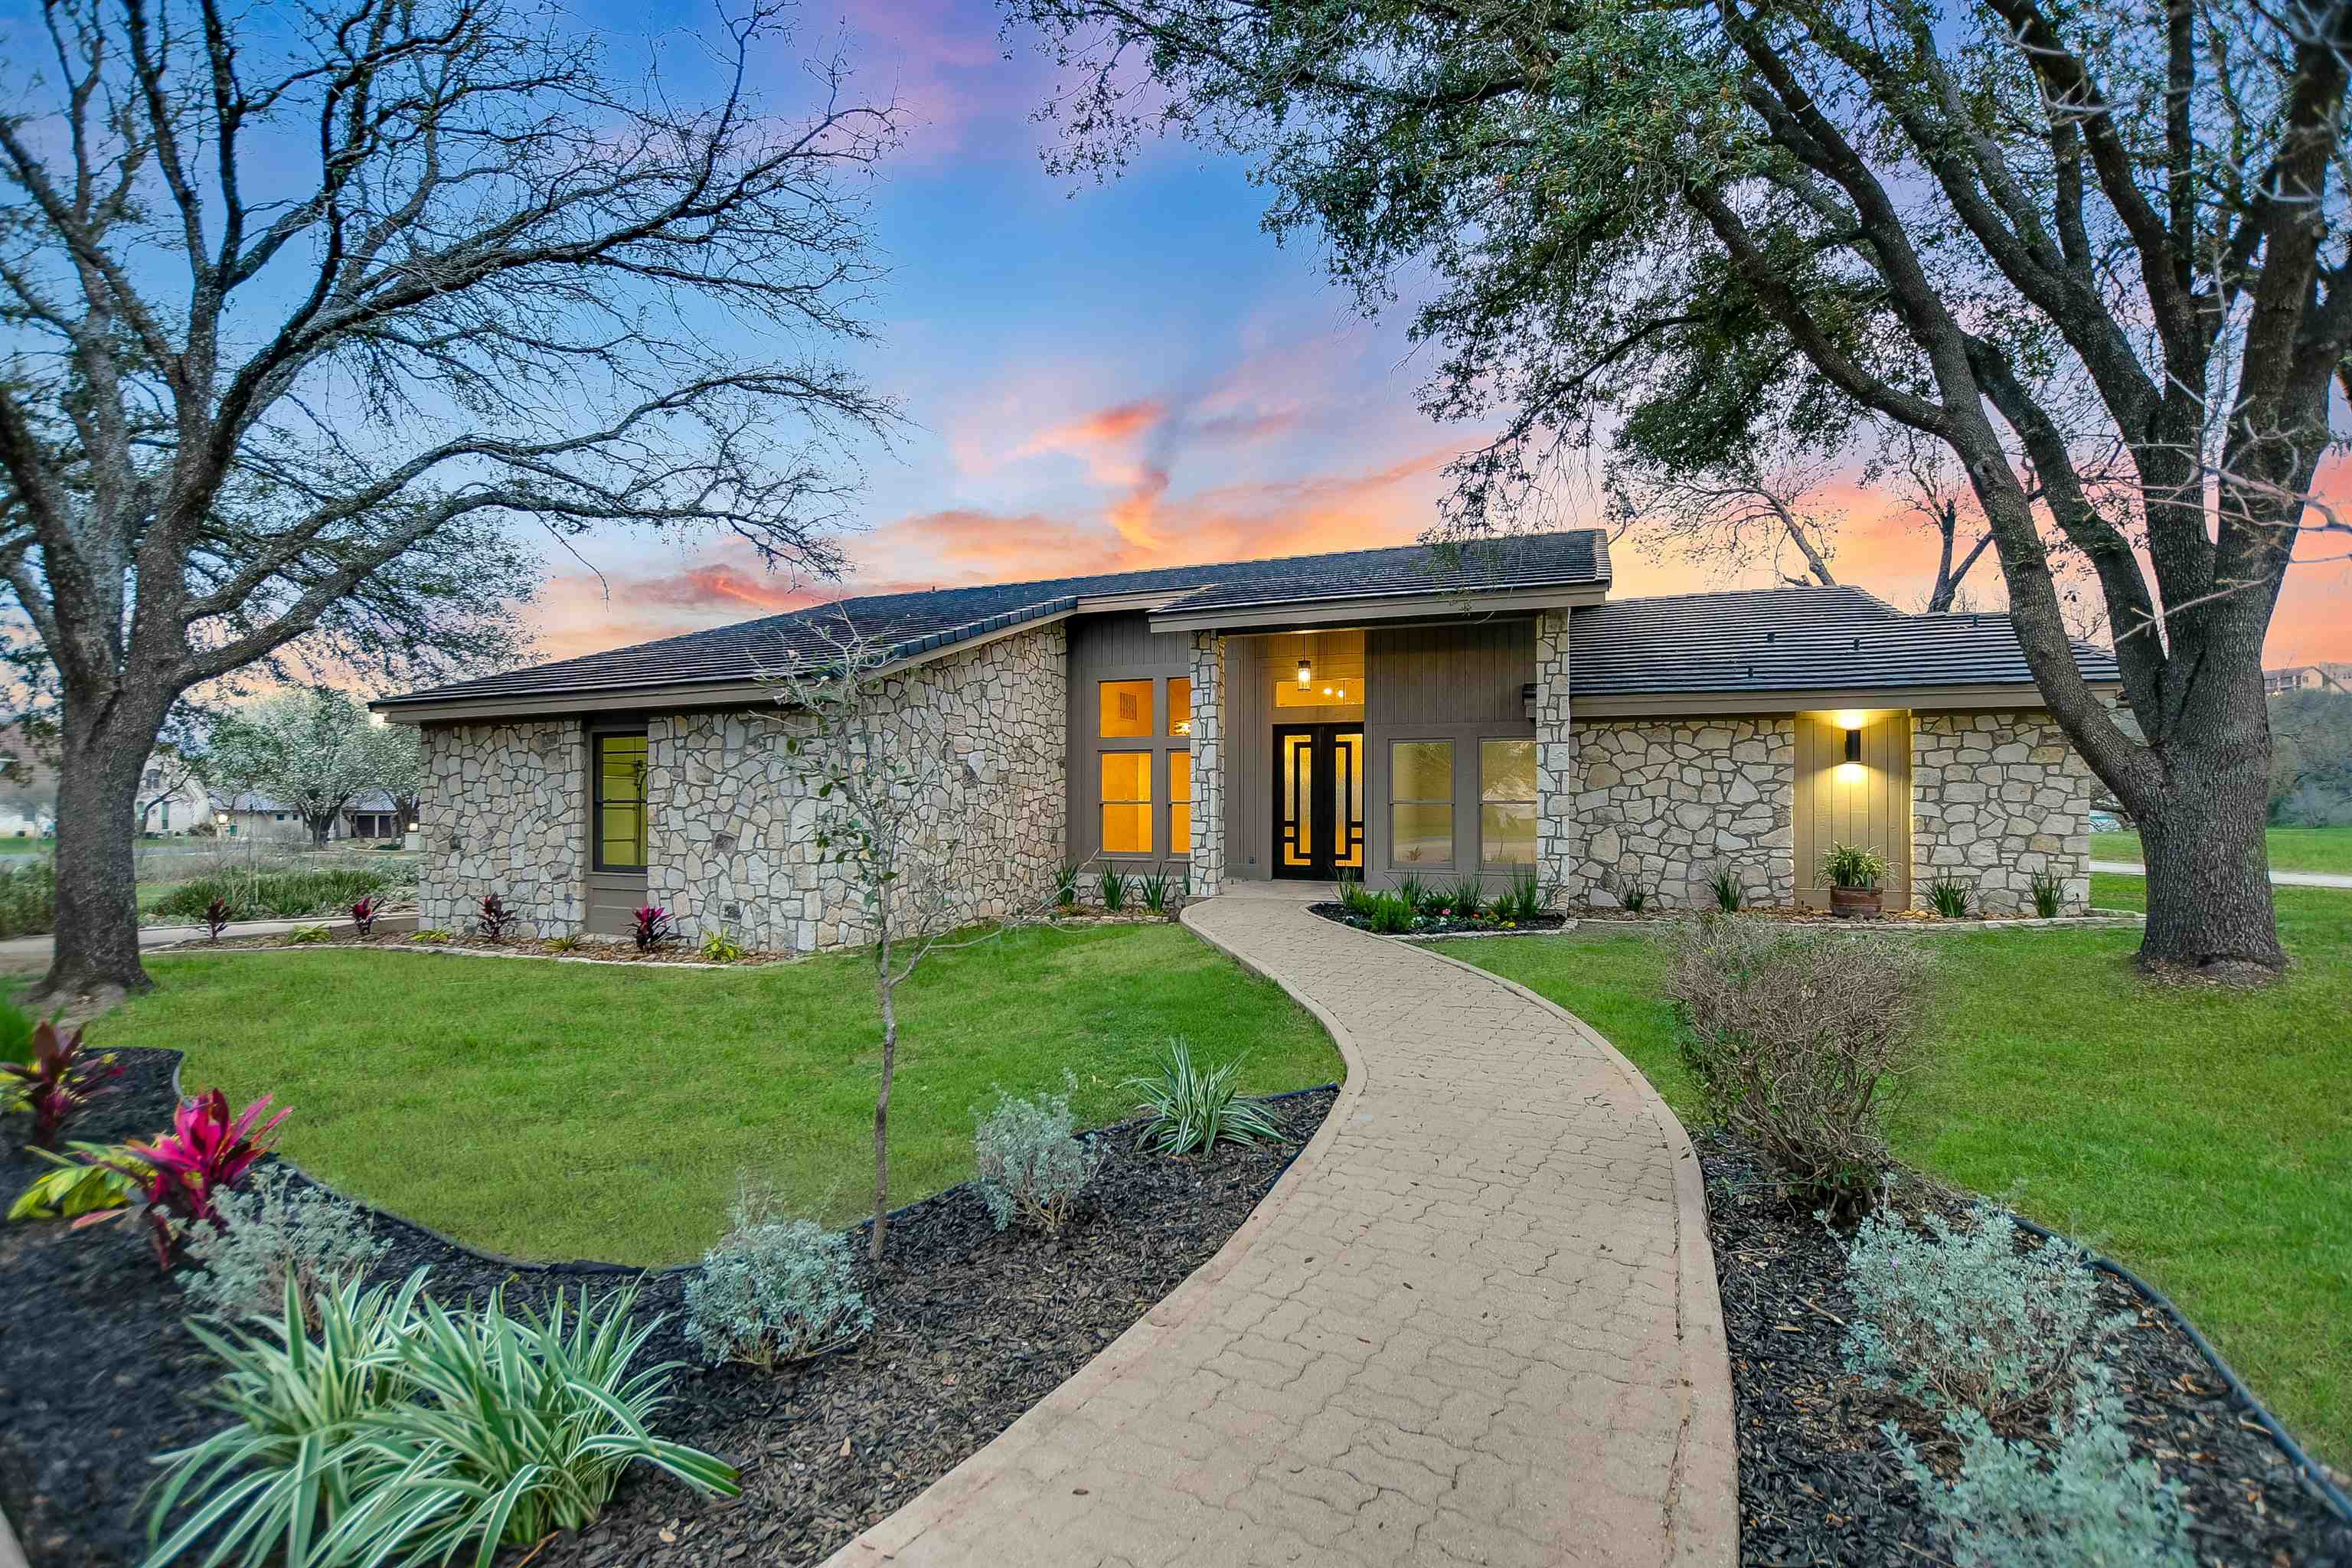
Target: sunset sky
[(1131, 373)]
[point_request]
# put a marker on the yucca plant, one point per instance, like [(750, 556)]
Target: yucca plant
[(1526, 897), (208, 1152), (1153, 886), (1949, 897), (1466, 898), (1728, 893), (56, 1080), (1419, 895), (651, 926), (1634, 896), (1066, 884), (1116, 885), (1192, 1111), (2049, 895), (281, 1479)]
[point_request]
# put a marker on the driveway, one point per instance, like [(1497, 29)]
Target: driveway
[(2278, 879), (1475, 1323)]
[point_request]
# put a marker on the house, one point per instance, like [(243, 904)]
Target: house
[(1485, 709), (373, 814), (171, 799), (2329, 677)]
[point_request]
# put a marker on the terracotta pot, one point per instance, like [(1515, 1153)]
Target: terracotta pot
[(1857, 903)]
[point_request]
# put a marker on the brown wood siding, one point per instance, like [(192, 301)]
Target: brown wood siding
[(1117, 647), (1870, 807), (1457, 684)]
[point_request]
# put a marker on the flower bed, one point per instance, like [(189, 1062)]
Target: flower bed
[(1818, 1482), (972, 1327), (585, 952), (1485, 922)]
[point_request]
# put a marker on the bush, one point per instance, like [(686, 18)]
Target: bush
[(652, 926), (1154, 886), (1190, 1110), (2049, 895), (1949, 896), (1729, 892), (720, 948), (775, 1290), (2090, 1505), (1066, 884), (408, 1433), (277, 1232), (272, 894), (435, 935), (1959, 1316), (492, 917), (1356, 900), (1025, 1162), (29, 895), (1116, 885), (1797, 1038), (1388, 914), (306, 936), (88, 1179), (1527, 897), (1467, 898)]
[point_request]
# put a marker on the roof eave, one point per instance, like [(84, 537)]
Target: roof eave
[(1397, 604), (1921, 695)]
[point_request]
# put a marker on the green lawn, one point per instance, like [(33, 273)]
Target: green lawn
[(2291, 849), (559, 1111), (2203, 1138)]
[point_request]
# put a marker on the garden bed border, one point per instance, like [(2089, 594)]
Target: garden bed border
[(2097, 920)]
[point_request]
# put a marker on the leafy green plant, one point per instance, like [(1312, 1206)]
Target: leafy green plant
[(89, 1181), (1633, 897), (269, 893), (1949, 897), (775, 1289), (718, 947), (55, 1080), (1192, 1111), (570, 941), (28, 896), (1025, 1162), (1527, 898), (1389, 915), (1066, 884), (306, 936), (1355, 900), (17, 1027), (1852, 865), (1418, 895), (2049, 894), (1115, 886), (1729, 892), (1153, 887), (277, 1232), (433, 935), (2081, 1500), (1466, 898)]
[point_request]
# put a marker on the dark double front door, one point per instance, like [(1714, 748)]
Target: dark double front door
[(1318, 800)]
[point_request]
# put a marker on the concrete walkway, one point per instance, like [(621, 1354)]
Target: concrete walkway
[(1475, 1323), (27, 953), (2278, 879)]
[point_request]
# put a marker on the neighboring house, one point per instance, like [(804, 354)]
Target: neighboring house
[(1382, 712), (168, 802), (2329, 677), (172, 801), (374, 814)]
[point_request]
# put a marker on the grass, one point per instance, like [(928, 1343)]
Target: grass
[(555, 1110), (2201, 1137), (2291, 849)]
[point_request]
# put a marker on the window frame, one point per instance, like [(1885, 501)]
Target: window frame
[(1103, 802), (1452, 802), (1159, 745), (1534, 802), (597, 802)]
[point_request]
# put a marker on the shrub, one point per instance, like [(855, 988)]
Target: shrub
[(1852, 865), (775, 1290), (1355, 900), (1949, 896), (1115, 887), (28, 896), (1027, 1163), (1388, 914), (409, 1432), (492, 917), (652, 926), (363, 915), (720, 948), (1634, 896), (216, 918), (1190, 1110), (87, 1182), (306, 936), (2049, 895), (1797, 1038), (55, 1080), (570, 941), (278, 1232), (1153, 887), (2089, 1503), (1527, 897), (1961, 1316), (431, 935), (1066, 884), (1466, 898), (181, 1174), (1728, 893), (248, 893), (1416, 893)]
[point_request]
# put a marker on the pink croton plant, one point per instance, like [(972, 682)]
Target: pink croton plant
[(178, 1173)]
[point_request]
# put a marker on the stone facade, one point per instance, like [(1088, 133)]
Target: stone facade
[(1998, 799), (731, 842), (1208, 676), (502, 812), (1661, 805), (1557, 831)]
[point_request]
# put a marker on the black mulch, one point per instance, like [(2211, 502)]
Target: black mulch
[(1817, 1484), (1443, 925), (98, 1371)]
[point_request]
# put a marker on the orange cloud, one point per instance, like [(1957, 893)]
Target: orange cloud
[(1120, 422)]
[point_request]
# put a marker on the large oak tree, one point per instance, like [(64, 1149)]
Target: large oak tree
[(307, 309), (2097, 252)]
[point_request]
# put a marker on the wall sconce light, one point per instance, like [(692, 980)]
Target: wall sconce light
[(1853, 745), (412, 828), (220, 820), (1305, 674)]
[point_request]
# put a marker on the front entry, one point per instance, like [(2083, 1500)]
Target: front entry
[(1318, 800)]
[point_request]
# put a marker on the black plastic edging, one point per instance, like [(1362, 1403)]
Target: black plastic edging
[(2305, 1466)]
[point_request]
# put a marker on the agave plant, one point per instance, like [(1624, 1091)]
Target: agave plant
[(208, 1152), (1190, 1110), (56, 1081), (653, 927)]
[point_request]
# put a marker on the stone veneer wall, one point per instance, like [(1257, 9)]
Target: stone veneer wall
[(730, 827), (1662, 804), (1996, 800), (503, 810), (1558, 833), (1208, 763)]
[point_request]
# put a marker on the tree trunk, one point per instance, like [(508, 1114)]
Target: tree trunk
[(2208, 886), (882, 1102), (104, 745)]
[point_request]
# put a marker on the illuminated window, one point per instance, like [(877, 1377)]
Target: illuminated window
[(1179, 799), (1126, 801), (620, 802), (1179, 706), (1126, 708), (1420, 803), (1507, 803)]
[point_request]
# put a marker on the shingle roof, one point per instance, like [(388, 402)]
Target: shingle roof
[(913, 623), (1793, 639)]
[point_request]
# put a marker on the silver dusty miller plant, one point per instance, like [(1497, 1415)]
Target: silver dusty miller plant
[(1027, 1165)]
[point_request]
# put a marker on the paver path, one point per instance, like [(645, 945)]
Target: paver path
[(1475, 1323)]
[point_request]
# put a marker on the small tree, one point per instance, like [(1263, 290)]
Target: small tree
[(396, 766), (898, 798), (308, 751)]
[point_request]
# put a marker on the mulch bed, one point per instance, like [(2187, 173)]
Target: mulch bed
[(1443, 925), (513, 946), (1816, 1483), (97, 1369)]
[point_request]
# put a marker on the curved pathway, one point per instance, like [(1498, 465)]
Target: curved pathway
[(1475, 1323)]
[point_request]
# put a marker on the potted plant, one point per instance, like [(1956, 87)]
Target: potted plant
[(1853, 871)]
